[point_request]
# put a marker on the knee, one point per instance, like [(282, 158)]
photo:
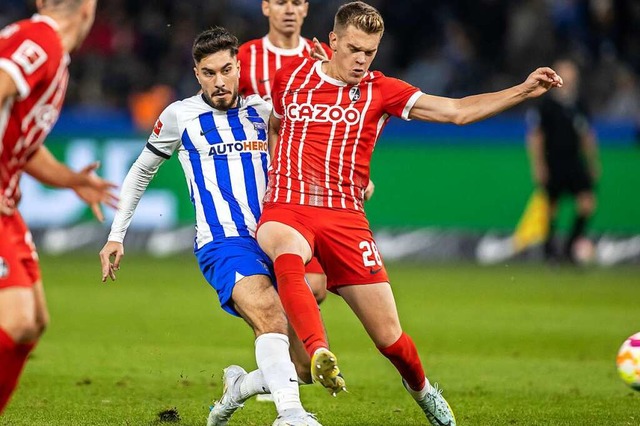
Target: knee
[(318, 284), (270, 321), (25, 328), (387, 336)]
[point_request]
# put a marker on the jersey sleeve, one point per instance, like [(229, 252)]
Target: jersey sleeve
[(165, 136), (398, 96), (28, 56)]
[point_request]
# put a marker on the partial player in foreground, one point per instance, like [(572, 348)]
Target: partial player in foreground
[(327, 117), (34, 56), (221, 140)]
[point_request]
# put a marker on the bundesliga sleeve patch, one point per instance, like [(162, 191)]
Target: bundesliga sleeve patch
[(29, 56), (157, 128)]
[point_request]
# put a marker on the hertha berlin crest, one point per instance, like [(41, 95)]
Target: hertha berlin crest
[(354, 94)]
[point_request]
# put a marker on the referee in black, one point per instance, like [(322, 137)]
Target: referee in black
[(564, 155)]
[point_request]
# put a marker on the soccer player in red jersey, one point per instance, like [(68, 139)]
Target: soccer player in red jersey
[(326, 120), (261, 58), (34, 56)]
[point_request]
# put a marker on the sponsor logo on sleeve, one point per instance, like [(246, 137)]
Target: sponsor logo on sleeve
[(157, 128), (29, 56)]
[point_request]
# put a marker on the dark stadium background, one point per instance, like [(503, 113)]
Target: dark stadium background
[(440, 189)]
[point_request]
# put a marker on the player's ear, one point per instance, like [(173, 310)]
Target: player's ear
[(195, 71), (333, 41), (265, 8), (306, 9)]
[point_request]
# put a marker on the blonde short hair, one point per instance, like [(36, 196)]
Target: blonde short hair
[(364, 17)]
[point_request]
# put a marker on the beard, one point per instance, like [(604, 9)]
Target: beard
[(220, 103)]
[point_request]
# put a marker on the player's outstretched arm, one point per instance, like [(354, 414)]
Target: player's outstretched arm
[(135, 183), (92, 189), (478, 107), (115, 250)]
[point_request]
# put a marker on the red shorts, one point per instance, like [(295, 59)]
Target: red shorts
[(340, 239), (18, 257), (313, 267)]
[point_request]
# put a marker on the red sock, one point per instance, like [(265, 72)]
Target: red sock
[(299, 303), (404, 356), (12, 360), (7, 353)]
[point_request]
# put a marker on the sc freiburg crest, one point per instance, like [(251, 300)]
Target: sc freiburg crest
[(354, 94)]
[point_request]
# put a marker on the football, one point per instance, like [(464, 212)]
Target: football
[(628, 361)]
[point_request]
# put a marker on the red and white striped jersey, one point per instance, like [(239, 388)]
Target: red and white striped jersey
[(260, 59), (31, 53), (328, 131)]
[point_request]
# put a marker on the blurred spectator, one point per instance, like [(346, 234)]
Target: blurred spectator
[(146, 106), (454, 47)]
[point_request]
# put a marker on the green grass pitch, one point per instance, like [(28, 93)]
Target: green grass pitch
[(510, 345)]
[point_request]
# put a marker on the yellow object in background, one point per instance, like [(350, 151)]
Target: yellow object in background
[(533, 226)]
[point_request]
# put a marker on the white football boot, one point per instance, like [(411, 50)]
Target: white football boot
[(229, 402), (435, 407), (298, 418)]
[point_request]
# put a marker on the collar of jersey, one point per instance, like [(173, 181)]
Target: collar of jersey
[(46, 19), (318, 69), (283, 52)]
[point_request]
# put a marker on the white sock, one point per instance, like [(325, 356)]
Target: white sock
[(252, 384), (274, 361), (418, 395)]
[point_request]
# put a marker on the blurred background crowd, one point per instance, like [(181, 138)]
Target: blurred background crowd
[(139, 52)]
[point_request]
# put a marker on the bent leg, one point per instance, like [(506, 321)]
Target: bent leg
[(289, 251), (375, 306), (257, 302)]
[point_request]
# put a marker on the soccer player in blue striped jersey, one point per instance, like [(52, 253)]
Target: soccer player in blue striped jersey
[(221, 141)]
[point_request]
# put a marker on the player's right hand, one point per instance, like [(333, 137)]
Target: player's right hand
[(96, 191), (111, 249)]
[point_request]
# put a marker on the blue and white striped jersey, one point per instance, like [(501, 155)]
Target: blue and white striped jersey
[(224, 155)]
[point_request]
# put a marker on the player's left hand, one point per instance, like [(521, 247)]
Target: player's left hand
[(96, 191), (318, 52), (540, 81), (368, 193)]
